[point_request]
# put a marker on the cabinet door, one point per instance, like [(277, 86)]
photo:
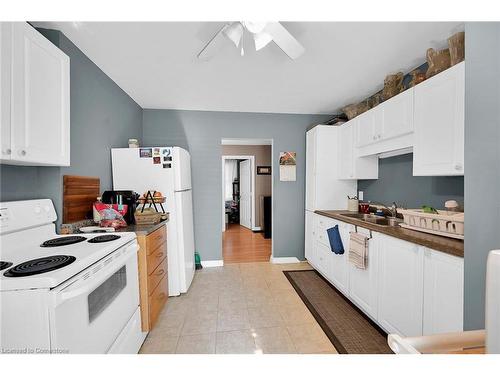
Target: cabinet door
[(439, 124), (346, 150), (443, 293), (366, 127), (397, 116), (309, 236), (400, 287), (363, 288), (40, 100), (323, 259), (5, 88), (311, 169)]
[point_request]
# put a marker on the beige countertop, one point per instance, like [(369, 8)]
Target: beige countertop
[(444, 244)]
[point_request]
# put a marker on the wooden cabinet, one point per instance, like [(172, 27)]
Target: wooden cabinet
[(363, 283), (439, 124), (36, 130), (351, 166), (443, 293), (400, 287), (324, 191), (153, 275)]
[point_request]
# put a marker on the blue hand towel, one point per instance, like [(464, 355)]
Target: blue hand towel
[(335, 240)]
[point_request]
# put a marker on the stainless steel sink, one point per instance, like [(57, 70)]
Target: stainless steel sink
[(373, 219)]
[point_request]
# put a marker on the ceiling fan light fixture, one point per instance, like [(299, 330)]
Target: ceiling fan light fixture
[(234, 32), (261, 40), (255, 27)]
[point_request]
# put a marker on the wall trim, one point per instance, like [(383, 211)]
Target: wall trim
[(212, 263), (281, 260), (256, 229)]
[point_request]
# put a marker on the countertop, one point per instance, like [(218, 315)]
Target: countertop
[(142, 229), (446, 245)]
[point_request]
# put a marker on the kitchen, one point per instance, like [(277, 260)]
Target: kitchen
[(416, 147)]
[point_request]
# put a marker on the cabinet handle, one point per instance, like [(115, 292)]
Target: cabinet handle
[(374, 137), (22, 152), (160, 272), (8, 151), (458, 167)]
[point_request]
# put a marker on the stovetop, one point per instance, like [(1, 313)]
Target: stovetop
[(35, 251)]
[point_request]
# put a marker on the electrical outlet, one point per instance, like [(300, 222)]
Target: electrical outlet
[(360, 195)]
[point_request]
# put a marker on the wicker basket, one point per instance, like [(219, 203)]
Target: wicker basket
[(456, 44), (437, 61), (149, 216), (353, 110), (444, 223), (393, 85)]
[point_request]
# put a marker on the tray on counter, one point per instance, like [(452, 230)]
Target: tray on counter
[(443, 223)]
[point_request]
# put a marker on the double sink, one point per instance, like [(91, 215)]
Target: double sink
[(374, 219)]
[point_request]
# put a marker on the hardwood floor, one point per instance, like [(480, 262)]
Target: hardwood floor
[(241, 245)]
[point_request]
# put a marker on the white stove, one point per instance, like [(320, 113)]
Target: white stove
[(65, 293)]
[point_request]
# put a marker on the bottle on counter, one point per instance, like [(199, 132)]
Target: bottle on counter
[(95, 213)]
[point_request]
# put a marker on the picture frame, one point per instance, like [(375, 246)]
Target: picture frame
[(265, 170)]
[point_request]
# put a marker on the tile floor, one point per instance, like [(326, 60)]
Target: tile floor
[(236, 309)]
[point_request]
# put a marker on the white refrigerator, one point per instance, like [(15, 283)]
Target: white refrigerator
[(168, 170)]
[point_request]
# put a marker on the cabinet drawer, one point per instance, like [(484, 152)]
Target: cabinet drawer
[(155, 239), (157, 275), (157, 300), (156, 257)]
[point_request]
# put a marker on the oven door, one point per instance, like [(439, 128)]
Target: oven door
[(88, 314)]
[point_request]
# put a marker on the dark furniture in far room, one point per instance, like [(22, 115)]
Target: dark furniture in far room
[(267, 206)]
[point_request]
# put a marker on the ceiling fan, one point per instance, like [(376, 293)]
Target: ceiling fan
[(263, 33)]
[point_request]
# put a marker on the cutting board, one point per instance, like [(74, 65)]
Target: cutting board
[(79, 194)]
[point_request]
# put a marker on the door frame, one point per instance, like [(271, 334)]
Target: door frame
[(252, 185)]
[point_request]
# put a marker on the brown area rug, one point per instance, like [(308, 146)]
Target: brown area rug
[(347, 327)]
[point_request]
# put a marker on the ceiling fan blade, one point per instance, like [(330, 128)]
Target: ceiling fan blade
[(214, 44), (284, 40)]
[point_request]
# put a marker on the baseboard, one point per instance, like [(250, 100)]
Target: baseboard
[(256, 229), (212, 263), (280, 260)]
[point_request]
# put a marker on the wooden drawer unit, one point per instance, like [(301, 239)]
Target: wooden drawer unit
[(153, 275), (156, 257), (155, 239), (157, 300), (159, 273)]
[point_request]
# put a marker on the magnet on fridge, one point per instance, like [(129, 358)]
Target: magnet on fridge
[(156, 160), (167, 165)]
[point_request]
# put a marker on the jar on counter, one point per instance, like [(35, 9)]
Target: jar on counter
[(133, 143)]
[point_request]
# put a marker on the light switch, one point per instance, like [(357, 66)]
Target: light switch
[(360, 195)]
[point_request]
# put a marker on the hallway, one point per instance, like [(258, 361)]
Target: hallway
[(241, 245)]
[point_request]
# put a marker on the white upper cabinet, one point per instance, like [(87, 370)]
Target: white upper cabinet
[(5, 64), (324, 190), (351, 166), (387, 127), (400, 287), (397, 116), (443, 293), (39, 93), (439, 124)]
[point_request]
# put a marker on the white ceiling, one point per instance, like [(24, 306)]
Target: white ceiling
[(156, 64)]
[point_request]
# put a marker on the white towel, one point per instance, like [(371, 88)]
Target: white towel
[(358, 250)]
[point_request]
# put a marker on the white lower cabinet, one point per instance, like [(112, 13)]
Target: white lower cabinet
[(400, 287), (363, 288), (443, 293), (406, 288)]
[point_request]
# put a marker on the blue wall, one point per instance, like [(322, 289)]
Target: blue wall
[(396, 183), (201, 133)]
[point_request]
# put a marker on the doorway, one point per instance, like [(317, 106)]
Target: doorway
[(246, 200)]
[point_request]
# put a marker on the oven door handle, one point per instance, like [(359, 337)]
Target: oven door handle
[(63, 296)]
